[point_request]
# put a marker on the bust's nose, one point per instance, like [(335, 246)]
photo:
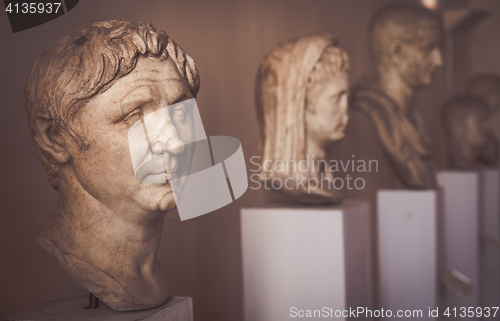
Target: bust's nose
[(172, 145), (164, 133)]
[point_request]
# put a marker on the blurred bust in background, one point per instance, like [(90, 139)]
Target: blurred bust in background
[(471, 141), (301, 100), (470, 123), (405, 44), (81, 98), (487, 87)]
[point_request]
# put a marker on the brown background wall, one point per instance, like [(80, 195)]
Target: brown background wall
[(227, 39)]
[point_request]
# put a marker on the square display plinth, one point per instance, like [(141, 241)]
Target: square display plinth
[(408, 250), (490, 235), (461, 233), (305, 258)]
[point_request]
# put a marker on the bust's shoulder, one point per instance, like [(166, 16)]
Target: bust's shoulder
[(365, 84), (367, 92), (367, 98)]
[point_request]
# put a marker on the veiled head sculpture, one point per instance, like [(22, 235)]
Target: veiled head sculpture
[(82, 96), (405, 44), (301, 100), (471, 140)]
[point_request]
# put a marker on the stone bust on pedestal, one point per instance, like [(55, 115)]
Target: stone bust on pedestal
[(82, 96), (301, 99), (405, 43)]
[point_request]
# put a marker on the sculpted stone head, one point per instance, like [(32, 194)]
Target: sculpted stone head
[(471, 139), (82, 96), (301, 100), (405, 41)]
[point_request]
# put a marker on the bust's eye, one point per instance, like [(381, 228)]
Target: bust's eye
[(178, 112), (133, 117)]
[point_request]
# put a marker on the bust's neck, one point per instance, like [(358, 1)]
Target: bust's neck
[(397, 89), (324, 192), (110, 256), (315, 149)]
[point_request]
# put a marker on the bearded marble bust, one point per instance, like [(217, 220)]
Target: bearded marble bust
[(81, 98), (301, 100)]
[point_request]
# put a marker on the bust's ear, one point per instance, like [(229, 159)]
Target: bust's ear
[(49, 138), (396, 53)]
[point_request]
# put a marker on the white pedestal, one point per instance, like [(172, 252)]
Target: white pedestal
[(490, 228), (408, 250), (307, 258), (178, 309), (461, 236)]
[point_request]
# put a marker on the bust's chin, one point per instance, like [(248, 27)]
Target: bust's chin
[(337, 137), (167, 203)]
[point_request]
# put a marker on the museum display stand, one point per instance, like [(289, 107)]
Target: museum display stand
[(490, 236), (407, 228), (440, 248), (461, 236), (72, 308), (305, 258)]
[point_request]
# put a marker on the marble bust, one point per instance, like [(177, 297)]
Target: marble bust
[(405, 42), (471, 141), (81, 97), (301, 101)]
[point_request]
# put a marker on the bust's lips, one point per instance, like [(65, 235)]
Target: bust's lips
[(341, 127), (154, 171)]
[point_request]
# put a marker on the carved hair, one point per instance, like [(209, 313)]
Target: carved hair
[(399, 22), (86, 63), (281, 95)]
